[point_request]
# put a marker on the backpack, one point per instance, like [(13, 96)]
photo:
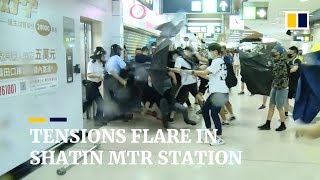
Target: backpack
[(231, 79)]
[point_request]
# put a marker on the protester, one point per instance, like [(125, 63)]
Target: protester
[(294, 63), (279, 92), (219, 91)]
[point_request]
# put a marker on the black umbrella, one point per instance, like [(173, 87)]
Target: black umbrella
[(158, 70), (256, 70), (169, 30)]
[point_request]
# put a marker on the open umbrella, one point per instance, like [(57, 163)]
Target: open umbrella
[(307, 100), (158, 70), (256, 70)]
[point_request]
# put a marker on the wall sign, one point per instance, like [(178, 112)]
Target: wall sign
[(217, 29), (147, 3), (138, 11)]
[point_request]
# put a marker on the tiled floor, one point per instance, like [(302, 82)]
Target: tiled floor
[(267, 155)]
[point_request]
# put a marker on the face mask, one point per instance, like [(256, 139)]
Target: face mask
[(210, 55), (290, 56), (274, 55)]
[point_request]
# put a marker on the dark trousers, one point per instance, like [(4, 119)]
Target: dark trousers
[(214, 114), (93, 94)]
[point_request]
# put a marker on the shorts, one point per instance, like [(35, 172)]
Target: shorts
[(279, 97), (183, 94)]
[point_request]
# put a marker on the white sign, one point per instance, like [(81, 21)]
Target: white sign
[(217, 29), (236, 23)]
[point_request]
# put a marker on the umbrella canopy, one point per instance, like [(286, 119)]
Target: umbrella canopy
[(158, 70), (307, 100), (256, 70), (169, 30)]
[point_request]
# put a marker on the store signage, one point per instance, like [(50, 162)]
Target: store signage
[(147, 3), (224, 6), (138, 11)]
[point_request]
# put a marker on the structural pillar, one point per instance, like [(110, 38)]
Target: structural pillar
[(117, 23)]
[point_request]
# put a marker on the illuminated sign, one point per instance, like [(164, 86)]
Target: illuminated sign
[(197, 29), (147, 3), (255, 10), (224, 6), (196, 6)]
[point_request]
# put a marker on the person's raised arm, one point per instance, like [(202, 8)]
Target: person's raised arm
[(201, 58)]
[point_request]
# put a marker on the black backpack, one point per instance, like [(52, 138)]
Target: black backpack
[(231, 79), (191, 62)]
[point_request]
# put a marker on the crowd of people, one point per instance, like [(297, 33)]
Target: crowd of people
[(209, 72)]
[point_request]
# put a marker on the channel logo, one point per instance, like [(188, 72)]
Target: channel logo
[(43, 119), (297, 20)]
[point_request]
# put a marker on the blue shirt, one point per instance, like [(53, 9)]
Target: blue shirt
[(115, 63)]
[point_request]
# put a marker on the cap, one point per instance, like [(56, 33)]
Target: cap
[(279, 48)]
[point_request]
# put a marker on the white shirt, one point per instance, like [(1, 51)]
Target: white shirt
[(217, 76), (236, 59), (115, 63), (95, 68), (186, 78)]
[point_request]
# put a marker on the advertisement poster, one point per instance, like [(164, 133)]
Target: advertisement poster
[(33, 76), (30, 65)]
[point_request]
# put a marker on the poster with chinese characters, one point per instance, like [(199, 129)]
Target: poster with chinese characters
[(28, 61)]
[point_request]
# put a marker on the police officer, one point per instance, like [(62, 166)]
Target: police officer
[(94, 80), (114, 82)]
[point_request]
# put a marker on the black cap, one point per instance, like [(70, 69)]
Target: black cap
[(98, 53)]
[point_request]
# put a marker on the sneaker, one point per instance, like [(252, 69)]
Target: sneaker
[(193, 123), (241, 93), (170, 121), (262, 107), (219, 141), (264, 127), (225, 123), (281, 128), (199, 112), (232, 118)]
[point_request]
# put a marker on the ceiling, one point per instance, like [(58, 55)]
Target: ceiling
[(275, 25)]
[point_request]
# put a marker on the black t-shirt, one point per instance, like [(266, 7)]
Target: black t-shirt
[(141, 58), (294, 77)]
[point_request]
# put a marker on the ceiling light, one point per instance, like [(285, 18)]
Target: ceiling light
[(304, 0)]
